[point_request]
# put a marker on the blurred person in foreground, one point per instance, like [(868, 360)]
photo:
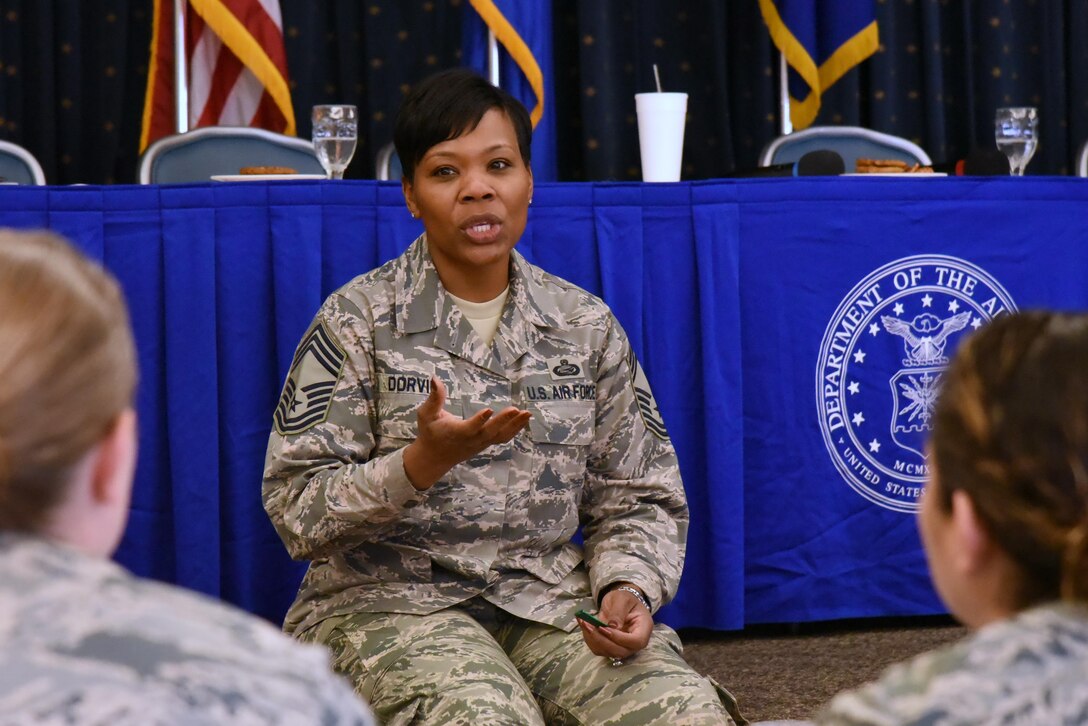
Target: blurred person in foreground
[(81, 640), (1004, 523), (449, 421)]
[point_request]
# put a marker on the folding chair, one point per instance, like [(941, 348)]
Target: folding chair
[(196, 155), (850, 142)]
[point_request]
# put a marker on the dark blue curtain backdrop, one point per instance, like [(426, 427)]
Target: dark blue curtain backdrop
[(223, 279), (729, 290), (924, 84), (367, 53), (72, 79), (73, 75)]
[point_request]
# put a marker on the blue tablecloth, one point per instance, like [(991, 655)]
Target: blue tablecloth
[(792, 330)]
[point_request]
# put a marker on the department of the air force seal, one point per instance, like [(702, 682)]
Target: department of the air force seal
[(880, 368), (307, 395)]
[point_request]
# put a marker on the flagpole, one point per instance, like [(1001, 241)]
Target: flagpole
[(492, 58), (181, 83), (784, 124)]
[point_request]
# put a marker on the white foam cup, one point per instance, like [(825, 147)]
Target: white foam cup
[(661, 134)]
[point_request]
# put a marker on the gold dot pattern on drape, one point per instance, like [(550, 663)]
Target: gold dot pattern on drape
[(607, 49), (376, 51), (72, 82)]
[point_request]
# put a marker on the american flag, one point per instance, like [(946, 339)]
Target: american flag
[(237, 68)]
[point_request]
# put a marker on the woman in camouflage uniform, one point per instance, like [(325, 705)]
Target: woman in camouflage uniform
[(81, 640), (448, 423), (1004, 522)]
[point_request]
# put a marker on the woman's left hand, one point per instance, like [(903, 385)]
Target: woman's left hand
[(630, 626)]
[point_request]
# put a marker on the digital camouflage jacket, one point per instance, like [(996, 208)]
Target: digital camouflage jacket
[(595, 454)]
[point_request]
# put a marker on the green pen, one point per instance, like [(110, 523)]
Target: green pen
[(590, 618)]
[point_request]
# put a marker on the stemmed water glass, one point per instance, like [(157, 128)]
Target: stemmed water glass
[(335, 130), (1017, 133)]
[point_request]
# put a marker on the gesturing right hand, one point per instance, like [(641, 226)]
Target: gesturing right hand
[(445, 440)]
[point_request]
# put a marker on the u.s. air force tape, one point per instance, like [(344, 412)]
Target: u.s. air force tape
[(307, 395), (644, 399)]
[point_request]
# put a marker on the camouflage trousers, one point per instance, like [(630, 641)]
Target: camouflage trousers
[(477, 665)]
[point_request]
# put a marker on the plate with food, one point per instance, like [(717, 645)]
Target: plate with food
[(893, 167), (911, 174), (265, 173)]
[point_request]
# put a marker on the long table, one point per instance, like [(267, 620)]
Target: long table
[(793, 331)]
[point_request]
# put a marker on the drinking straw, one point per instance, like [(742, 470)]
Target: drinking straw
[(657, 78)]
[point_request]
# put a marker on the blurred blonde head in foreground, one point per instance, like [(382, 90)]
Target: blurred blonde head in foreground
[(68, 372), (80, 636)]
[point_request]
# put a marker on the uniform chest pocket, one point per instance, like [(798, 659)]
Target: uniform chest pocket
[(397, 422), (397, 417), (561, 433), (398, 426), (568, 423)]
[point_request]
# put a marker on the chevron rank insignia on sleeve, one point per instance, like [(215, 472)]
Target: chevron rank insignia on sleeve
[(644, 399), (307, 394)]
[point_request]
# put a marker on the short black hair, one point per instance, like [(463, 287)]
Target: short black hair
[(447, 105)]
